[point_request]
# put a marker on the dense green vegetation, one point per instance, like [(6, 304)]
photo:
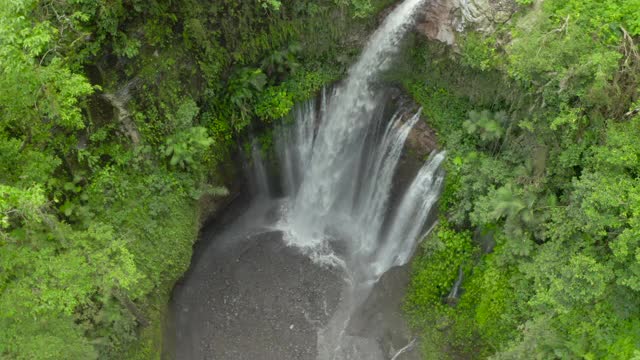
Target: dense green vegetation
[(541, 210), (116, 117)]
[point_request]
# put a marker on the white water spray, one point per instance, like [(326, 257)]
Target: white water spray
[(337, 166)]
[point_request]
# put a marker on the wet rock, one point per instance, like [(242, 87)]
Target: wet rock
[(484, 15), (439, 21), (442, 19), (422, 140)]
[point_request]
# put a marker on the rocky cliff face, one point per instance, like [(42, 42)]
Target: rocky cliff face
[(442, 19)]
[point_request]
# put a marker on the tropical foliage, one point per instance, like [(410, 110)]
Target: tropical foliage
[(117, 116), (540, 122)]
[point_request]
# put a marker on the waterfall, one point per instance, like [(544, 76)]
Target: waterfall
[(411, 216), (328, 189), (337, 161)]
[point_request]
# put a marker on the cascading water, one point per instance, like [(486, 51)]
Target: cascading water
[(358, 218), (337, 165), (330, 190)]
